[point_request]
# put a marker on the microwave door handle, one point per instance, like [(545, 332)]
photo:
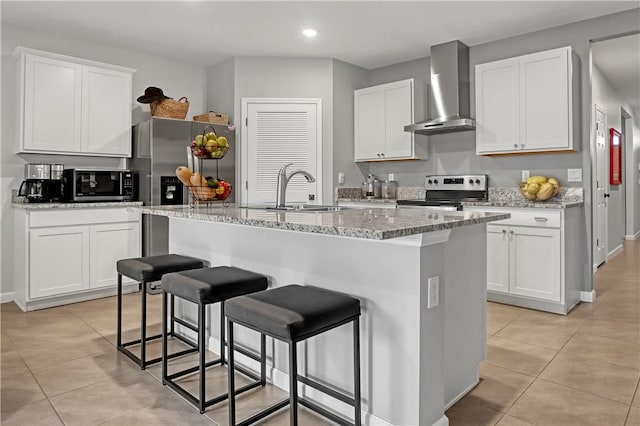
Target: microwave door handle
[(121, 183)]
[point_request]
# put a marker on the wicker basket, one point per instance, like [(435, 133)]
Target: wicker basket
[(212, 117), (170, 108)]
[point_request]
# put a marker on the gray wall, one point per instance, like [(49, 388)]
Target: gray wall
[(605, 96), (289, 78), (346, 78), (175, 78)]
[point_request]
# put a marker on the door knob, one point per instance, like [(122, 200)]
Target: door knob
[(607, 195)]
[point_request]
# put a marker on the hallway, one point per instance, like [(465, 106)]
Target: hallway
[(582, 369)]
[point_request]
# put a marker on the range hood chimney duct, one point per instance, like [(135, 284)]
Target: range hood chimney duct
[(449, 91)]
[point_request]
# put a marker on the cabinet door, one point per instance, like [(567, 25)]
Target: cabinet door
[(369, 124), (497, 107), (535, 262), (106, 111), (110, 243), (52, 105), (545, 116), (497, 259), (398, 112), (58, 260)]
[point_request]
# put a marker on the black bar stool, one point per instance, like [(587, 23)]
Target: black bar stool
[(292, 314), (145, 270), (204, 287)]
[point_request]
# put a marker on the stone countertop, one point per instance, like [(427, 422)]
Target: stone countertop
[(100, 204), (376, 224), (512, 197)]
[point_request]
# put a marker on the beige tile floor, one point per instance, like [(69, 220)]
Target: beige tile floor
[(59, 366)]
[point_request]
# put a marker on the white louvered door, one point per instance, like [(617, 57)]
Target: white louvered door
[(278, 134)]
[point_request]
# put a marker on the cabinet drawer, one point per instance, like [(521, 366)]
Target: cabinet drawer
[(537, 218), (85, 216)]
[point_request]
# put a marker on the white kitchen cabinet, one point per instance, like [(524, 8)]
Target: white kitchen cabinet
[(106, 111), (73, 106), (70, 254), (534, 258), (380, 114), (110, 243), (524, 104), (524, 261), (59, 260), (52, 105)]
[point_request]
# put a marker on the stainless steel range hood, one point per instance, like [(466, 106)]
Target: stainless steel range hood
[(449, 91)]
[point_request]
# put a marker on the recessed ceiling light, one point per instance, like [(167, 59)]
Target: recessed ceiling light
[(309, 32)]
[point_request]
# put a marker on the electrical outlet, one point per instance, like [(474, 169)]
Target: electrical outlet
[(391, 177), (341, 178), (433, 288), (525, 175), (574, 175)]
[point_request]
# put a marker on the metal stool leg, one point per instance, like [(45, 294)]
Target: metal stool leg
[(201, 352), (356, 372), (165, 373), (222, 345), (173, 315), (263, 359), (143, 327), (293, 383), (119, 324), (231, 376)]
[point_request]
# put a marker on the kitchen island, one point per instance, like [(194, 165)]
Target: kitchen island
[(420, 350)]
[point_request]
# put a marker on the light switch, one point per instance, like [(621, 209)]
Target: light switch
[(341, 178), (574, 175)]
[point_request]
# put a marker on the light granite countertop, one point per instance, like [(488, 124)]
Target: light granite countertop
[(368, 223), (512, 197), (47, 206)]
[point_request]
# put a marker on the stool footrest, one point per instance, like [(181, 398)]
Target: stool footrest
[(184, 340), (246, 352), (266, 412), (174, 355), (185, 324), (193, 369), (324, 389), (137, 342), (326, 413)]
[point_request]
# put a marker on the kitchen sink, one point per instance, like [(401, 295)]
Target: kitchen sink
[(301, 208)]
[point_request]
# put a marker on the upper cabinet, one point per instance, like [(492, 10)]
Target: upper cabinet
[(73, 106), (380, 113), (524, 104)]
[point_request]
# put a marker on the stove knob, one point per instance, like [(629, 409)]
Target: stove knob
[(429, 181), (478, 181), (470, 181), (435, 181)]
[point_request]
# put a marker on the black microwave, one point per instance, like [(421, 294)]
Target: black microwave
[(98, 185)]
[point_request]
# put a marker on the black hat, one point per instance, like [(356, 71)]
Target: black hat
[(151, 94)]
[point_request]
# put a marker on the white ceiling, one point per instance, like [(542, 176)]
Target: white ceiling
[(368, 34), (619, 61)]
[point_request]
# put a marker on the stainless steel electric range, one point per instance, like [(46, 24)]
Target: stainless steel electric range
[(447, 192)]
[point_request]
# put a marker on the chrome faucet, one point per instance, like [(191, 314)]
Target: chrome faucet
[(283, 181)]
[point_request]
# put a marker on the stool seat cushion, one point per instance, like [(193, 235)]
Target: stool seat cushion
[(152, 268), (292, 312), (211, 285)]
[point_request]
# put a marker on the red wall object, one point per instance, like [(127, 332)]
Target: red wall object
[(615, 157)]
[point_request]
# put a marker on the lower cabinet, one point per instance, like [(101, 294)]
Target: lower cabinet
[(71, 255), (535, 259), (58, 260), (524, 261)]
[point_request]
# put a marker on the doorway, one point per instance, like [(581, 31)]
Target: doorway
[(276, 132), (600, 214)]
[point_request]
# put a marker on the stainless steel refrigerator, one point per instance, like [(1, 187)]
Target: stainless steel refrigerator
[(159, 147)]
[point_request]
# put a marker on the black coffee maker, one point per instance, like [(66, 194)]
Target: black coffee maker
[(43, 183)]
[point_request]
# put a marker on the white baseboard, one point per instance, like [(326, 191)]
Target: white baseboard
[(6, 297), (632, 237), (442, 421), (588, 296), (280, 379), (616, 251), (459, 397)]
